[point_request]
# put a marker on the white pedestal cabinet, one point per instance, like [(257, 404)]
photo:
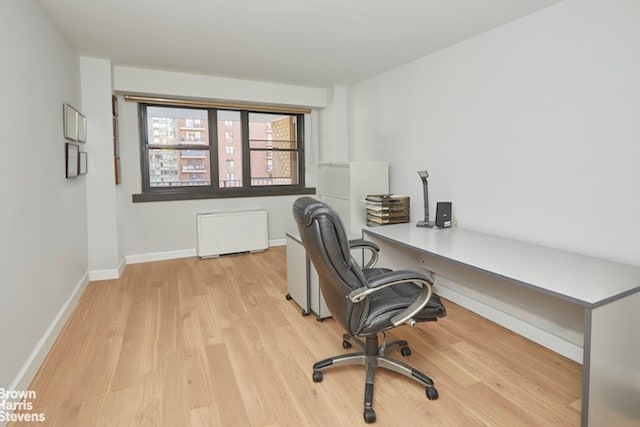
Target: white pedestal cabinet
[(344, 187)]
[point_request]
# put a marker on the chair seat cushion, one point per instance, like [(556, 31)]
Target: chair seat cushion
[(388, 302)]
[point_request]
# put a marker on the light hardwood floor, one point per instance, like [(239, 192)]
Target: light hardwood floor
[(214, 342)]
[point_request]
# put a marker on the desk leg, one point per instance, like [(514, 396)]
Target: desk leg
[(611, 369)]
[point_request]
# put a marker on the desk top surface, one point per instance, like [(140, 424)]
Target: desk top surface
[(582, 279)]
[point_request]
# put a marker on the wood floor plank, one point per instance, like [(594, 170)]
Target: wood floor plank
[(226, 390), (176, 409), (213, 342), (519, 390)]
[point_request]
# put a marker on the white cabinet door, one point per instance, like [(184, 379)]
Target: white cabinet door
[(297, 273)]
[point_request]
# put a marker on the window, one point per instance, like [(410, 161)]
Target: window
[(273, 148), (192, 152)]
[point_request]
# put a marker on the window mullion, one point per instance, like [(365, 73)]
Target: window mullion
[(246, 152), (213, 149)]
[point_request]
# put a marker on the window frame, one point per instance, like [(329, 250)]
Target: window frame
[(213, 190)]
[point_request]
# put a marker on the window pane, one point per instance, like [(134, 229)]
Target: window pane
[(272, 131), (274, 168), (178, 168), (177, 126), (229, 149)]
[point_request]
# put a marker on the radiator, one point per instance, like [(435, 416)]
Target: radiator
[(221, 233)]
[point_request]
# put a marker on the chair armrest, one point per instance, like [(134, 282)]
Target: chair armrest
[(365, 244), (392, 278)]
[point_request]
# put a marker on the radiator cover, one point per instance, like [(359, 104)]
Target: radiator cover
[(221, 233)]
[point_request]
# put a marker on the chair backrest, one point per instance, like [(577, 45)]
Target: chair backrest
[(327, 246)]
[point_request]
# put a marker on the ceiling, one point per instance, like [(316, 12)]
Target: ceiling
[(316, 43)]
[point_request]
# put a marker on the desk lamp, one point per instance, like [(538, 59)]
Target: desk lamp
[(425, 186)]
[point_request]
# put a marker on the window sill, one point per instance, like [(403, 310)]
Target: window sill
[(169, 195)]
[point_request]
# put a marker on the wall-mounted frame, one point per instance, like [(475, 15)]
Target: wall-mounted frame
[(71, 160), (114, 105), (116, 140), (116, 166), (82, 163), (75, 124), (70, 116), (82, 128)]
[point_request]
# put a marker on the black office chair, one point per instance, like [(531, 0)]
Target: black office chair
[(365, 301)]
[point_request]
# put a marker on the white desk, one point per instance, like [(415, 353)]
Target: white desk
[(608, 292)]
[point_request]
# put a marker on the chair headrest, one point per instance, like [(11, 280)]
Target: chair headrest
[(305, 209)]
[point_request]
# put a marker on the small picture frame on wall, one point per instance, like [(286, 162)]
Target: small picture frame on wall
[(82, 128), (75, 124), (114, 105), (116, 166), (116, 129), (70, 118), (82, 163), (72, 161)]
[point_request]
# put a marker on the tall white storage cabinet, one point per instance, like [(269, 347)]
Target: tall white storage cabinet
[(344, 187)]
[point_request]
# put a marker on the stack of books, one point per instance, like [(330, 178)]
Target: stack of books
[(387, 209)]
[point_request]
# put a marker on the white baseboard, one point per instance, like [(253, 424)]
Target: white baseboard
[(112, 274), (518, 326), (277, 242), (182, 253), (36, 358), (160, 256), (108, 274)]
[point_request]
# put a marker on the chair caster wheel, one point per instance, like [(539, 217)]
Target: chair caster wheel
[(369, 416), (346, 344), (288, 297), (432, 393), (405, 351), (317, 376)]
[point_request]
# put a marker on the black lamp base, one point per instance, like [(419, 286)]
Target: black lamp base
[(428, 224)]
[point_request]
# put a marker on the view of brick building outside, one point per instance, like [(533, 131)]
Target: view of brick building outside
[(181, 167)]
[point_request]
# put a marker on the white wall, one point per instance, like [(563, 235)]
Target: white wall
[(532, 130), (156, 82), (155, 230), (334, 132), (105, 240), (43, 222)]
